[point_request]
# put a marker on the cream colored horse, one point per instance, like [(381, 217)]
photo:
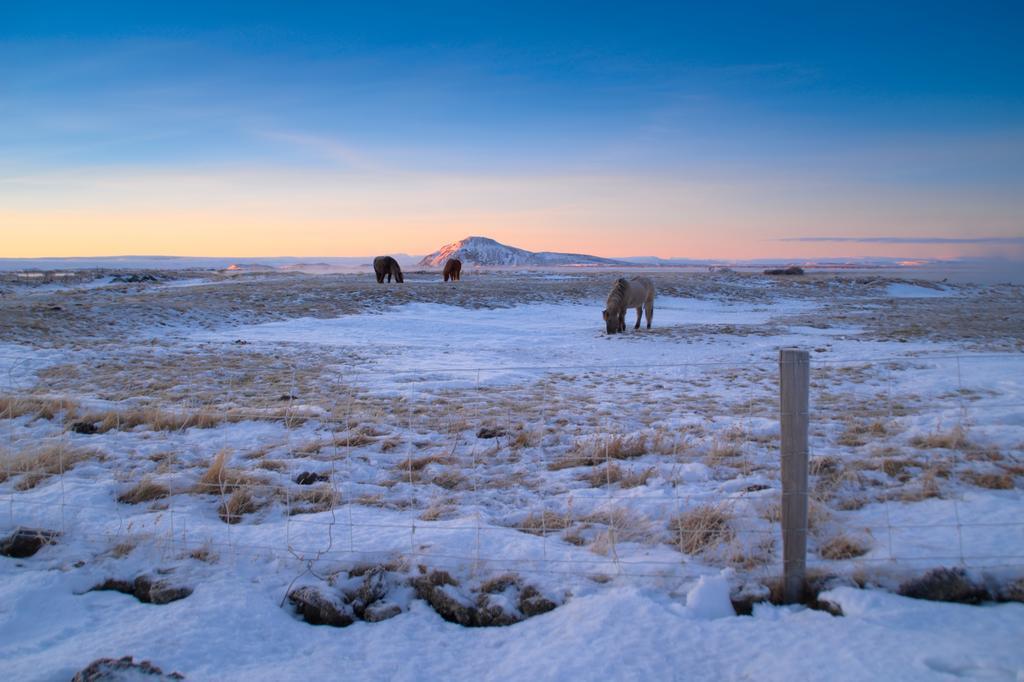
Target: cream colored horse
[(625, 294)]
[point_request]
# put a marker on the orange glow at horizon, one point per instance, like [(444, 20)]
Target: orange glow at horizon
[(252, 214)]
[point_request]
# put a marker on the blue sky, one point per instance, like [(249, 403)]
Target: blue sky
[(660, 123)]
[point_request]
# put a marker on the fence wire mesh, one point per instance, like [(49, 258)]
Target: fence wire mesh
[(656, 472)]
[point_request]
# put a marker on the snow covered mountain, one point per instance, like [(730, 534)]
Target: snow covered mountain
[(486, 251)]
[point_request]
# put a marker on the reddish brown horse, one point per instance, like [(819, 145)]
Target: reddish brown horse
[(453, 270)]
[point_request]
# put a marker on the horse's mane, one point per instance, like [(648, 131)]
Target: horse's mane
[(618, 293)]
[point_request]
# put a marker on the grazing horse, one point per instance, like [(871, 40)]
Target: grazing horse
[(634, 293), (453, 270), (386, 266)]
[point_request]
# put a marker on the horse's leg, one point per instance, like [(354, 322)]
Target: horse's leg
[(639, 314), (650, 313)]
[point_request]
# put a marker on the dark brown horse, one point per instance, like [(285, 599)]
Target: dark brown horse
[(386, 266), (625, 294), (453, 270)]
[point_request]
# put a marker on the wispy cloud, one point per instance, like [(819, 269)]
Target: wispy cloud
[(909, 240)]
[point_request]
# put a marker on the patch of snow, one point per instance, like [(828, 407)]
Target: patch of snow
[(709, 598), (904, 290)]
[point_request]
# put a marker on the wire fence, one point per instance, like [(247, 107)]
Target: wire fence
[(658, 472)]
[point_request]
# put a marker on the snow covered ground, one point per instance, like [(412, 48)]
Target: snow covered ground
[(252, 436)]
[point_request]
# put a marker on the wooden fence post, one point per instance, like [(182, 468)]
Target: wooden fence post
[(794, 383)]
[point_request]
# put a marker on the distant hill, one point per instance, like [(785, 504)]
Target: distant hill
[(486, 251)]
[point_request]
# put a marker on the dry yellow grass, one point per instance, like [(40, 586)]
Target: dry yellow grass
[(701, 528), (416, 464), (598, 449), (621, 524), (449, 478), (954, 439), (749, 557), (239, 503), (42, 462), (721, 450), (123, 549), (612, 473), (154, 418), (525, 438), (1002, 480), (219, 479), (858, 433), (544, 523), (12, 407), (314, 499), (842, 546), (272, 465), (437, 511), (145, 490), (926, 487)]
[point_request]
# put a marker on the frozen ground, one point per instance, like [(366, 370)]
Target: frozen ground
[(491, 431)]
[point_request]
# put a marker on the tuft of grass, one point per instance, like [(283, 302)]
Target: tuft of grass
[(417, 464), (927, 488), (596, 450), (356, 438), (760, 553), (499, 583), (701, 528), (842, 546), (123, 549), (203, 553), (544, 523), (272, 465), (525, 438), (239, 503), (449, 479), (723, 448), (857, 433), (612, 473), (154, 418), (12, 407), (145, 490), (438, 511), (620, 524), (993, 481), (954, 439), (40, 463), (314, 499), (219, 479)]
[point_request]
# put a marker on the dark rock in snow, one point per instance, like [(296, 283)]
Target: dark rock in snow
[(375, 613), (490, 432), (133, 278), (161, 592), (791, 270), (373, 589), (945, 584), (533, 603), (25, 542), (431, 588), (121, 670), (316, 609), (145, 589), (490, 613), (85, 428), (310, 477)]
